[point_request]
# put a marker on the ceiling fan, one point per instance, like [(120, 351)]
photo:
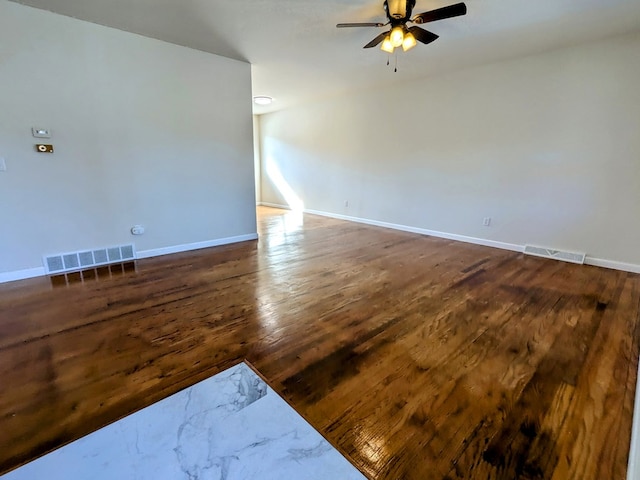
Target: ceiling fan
[(399, 14)]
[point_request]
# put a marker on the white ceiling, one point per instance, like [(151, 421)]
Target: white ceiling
[(297, 53)]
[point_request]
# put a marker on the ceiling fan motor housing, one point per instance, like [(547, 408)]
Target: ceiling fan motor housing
[(399, 9)]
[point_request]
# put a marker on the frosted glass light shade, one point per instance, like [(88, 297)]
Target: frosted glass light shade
[(409, 42), (386, 45), (396, 36)]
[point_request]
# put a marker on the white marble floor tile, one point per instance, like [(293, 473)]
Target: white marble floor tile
[(229, 427)]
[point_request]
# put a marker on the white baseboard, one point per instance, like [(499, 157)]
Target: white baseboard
[(600, 262), (423, 231), (156, 252), (274, 205), (633, 467), (21, 274), (596, 262), (40, 271)]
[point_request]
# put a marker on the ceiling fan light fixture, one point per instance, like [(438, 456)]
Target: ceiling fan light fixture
[(396, 36), (409, 42), (386, 45)]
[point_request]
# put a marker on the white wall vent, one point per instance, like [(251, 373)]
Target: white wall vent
[(572, 257), (72, 261)]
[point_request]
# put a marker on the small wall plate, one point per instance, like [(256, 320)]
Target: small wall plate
[(41, 148), (41, 132)]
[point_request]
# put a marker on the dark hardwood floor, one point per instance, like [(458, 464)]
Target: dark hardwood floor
[(419, 358)]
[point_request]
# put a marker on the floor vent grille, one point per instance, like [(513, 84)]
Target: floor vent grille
[(572, 257), (73, 261)]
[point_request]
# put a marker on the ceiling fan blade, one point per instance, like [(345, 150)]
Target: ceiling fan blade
[(346, 25), (377, 40), (441, 13), (422, 35)]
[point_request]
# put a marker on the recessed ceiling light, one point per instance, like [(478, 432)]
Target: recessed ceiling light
[(262, 100)]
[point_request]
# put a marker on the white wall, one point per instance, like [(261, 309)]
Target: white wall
[(145, 132), (256, 157), (548, 146)]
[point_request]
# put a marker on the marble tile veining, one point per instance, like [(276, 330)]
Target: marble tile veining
[(229, 427)]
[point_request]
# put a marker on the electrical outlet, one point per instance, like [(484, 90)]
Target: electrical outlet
[(3, 165), (137, 230), (486, 221)]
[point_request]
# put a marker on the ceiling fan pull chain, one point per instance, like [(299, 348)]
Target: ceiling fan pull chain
[(395, 69)]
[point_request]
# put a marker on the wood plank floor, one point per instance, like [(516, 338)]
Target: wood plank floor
[(419, 358)]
